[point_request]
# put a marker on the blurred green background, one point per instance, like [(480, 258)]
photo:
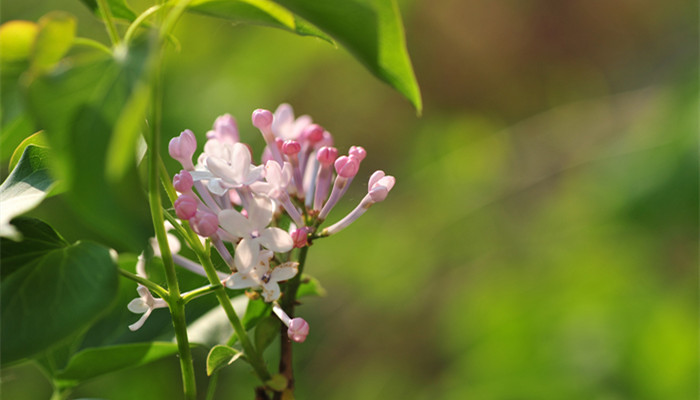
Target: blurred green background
[(541, 240)]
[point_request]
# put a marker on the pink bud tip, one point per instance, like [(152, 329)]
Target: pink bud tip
[(183, 147), (205, 223), (298, 330), (346, 166), (357, 152), (300, 237), (262, 119), (380, 185), (290, 147), (185, 206), (225, 129), (327, 155), (313, 133), (183, 181)]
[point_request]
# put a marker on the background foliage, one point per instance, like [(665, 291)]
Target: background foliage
[(541, 242)]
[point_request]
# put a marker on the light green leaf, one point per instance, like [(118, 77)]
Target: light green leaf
[(24, 189), (310, 286), (55, 38), (94, 362), (53, 296), (79, 108), (372, 31), (257, 12), (121, 152), (16, 40), (221, 356), (37, 139), (266, 331)]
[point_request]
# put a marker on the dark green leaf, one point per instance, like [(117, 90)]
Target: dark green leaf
[(257, 12), (310, 286), (39, 239), (24, 189), (266, 331), (372, 31), (119, 9), (36, 139), (221, 356), (98, 361), (54, 296), (79, 107)]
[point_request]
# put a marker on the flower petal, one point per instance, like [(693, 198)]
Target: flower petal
[(240, 162), (138, 306), (234, 223), (271, 291), (240, 280), (260, 212), (276, 240), (247, 255), (138, 324), (284, 272)]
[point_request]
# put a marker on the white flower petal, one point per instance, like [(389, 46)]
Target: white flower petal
[(254, 174), (261, 188), (220, 169), (260, 212), (240, 280), (240, 162), (234, 223), (271, 291), (201, 175), (217, 187), (247, 255), (138, 306), (276, 240), (284, 272), (138, 324)]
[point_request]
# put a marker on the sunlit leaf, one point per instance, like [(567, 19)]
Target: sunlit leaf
[(55, 38), (310, 286), (372, 31), (79, 108), (16, 40), (221, 356), (36, 139), (94, 362), (27, 185), (55, 294)]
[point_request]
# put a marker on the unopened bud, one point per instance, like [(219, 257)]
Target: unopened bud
[(185, 206), (313, 133), (183, 181), (346, 166), (290, 147), (262, 119), (327, 155), (298, 330), (205, 223), (357, 152)]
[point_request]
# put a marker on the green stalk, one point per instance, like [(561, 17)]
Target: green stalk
[(109, 21), (174, 299), (153, 287)]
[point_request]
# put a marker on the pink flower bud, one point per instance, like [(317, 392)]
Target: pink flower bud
[(183, 147), (298, 330), (262, 119), (326, 155), (327, 139), (186, 206), (290, 147), (357, 152), (313, 133), (346, 166), (279, 143), (380, 185), (205, 223), (300, 237), (225, 129), (183, 181)]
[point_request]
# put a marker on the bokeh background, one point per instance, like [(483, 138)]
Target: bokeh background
[(542, 238)]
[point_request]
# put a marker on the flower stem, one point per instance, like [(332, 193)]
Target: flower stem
[(109, 21), (288, 301), (145, 282)]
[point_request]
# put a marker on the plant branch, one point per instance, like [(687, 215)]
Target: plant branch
[(109, 21), (153, 287)]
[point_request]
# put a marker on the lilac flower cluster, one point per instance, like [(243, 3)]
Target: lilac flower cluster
[(226, 198)]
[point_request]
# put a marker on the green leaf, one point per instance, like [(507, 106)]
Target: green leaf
[(94, 362), (54, 295), (79, 108), (278, 382), (119, 8), (255, 311), (310, 286), (266, 331), (37, 139), (221, 356), (372, 31), (55, 38), (39, 239), (24, 189), (257, 12), (121, 152)]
